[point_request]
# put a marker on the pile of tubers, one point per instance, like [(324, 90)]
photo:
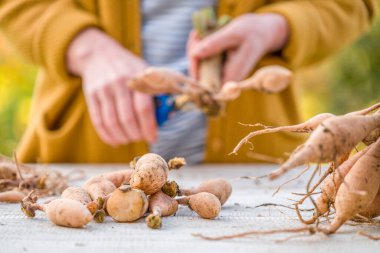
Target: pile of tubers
[(16, 180), (350, 186), (130, 194)]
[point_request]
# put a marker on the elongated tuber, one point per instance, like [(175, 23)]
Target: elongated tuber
[(62, 212), (12, 196), (373, 210), (205, 204), (160, 205), (81, 195), (268, 79), (332, 183), (359, 189), (309, 126), (219, 187), (332, 139), (126, 204)]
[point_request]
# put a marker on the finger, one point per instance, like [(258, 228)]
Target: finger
[(125, 111), (193, 61), (144, 109), (97, 120), (240, 62), (216, 43), (110, 116)]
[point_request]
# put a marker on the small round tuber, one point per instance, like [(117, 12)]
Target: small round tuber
[(205, 204), (151, 172), (126, 204)]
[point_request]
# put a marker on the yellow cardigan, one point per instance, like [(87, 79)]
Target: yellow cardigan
[(60, 129)]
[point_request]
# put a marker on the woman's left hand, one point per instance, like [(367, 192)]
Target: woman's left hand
[(246, 40)]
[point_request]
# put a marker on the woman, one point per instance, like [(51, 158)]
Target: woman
[(82, 110)]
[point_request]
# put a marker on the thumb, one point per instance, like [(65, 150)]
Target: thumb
[(216, 43)]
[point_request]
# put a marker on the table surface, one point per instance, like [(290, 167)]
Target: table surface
[(21, 234)]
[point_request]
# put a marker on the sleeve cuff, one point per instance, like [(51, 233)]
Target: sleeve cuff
[(299, 44)]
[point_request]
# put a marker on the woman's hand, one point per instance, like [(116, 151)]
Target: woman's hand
[(246, 39), (118, 114)]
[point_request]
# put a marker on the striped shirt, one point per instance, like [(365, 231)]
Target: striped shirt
[(166, 27)]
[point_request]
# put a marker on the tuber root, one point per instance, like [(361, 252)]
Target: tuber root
[(359, 189), (220, 187), (305, 127), (160, 205), (332, 183), (62, 212), (126, 204), (205, 204)]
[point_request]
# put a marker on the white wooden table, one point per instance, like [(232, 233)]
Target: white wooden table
[(21, 234)]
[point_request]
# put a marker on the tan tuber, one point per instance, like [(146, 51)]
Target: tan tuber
[(151, 172), (332, 183), (268, 79), (219, 187), (81, 195), (359, 189), (334, 138), (160, 205), (373, 210), (205, 204), (12, 196), (126, 204), (62, 212)]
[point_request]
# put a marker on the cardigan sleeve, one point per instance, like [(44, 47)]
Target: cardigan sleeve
[(42, 30), (318, 28)]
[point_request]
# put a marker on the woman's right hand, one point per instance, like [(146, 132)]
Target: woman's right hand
[(119, 115)]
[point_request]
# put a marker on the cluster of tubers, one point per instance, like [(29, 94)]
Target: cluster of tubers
[(351, 183), (16, 180), (128, 195)]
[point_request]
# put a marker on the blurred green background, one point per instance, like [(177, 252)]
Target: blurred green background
[(346, 82)]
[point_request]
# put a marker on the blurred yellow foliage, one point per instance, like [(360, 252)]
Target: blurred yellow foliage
[(16, 87)]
